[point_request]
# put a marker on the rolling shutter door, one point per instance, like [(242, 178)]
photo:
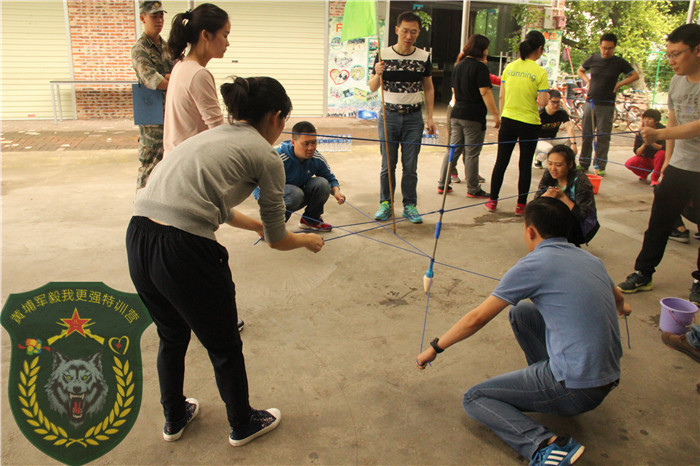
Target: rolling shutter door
[(281, 39), (35, 50)]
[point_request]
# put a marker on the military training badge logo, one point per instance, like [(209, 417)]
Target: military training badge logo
[(75, 375)]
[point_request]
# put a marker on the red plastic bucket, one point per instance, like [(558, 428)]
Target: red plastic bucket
[(595, 181), (676, 315)]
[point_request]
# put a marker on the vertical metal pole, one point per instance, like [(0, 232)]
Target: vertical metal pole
[(691, 12), (386, 136), (656, 82), (326, 52), (53, 104), (466, 6), (69, 44)]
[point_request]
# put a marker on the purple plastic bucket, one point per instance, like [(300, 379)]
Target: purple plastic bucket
[(676, 315)]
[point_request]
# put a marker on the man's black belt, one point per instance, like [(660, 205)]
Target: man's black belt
[(404, 110)]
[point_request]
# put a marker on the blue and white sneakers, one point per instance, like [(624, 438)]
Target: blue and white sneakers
[(557, 454)]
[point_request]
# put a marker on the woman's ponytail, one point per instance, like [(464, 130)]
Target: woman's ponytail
[(251, 99), (187, 27), (533, 41)]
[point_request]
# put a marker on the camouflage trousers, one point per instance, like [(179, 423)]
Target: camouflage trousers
[(150, 151)]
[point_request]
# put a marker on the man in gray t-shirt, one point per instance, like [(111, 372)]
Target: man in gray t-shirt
[(680, 183)]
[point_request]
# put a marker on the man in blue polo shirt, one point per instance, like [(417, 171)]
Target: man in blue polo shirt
[(568, 331), (309, 179)]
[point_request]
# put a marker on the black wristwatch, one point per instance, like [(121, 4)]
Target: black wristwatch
[(435, 346)]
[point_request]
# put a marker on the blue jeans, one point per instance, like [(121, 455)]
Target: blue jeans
[(499, 402), (693, 336), (406, 129), (313, 195)]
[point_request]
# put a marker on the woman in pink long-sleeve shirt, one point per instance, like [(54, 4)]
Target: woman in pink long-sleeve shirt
[(192, 103)]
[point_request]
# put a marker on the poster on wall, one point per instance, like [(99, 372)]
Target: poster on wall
[(349, 67), (552, 52)]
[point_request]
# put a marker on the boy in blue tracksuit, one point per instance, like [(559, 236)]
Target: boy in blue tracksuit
[(310, 180)]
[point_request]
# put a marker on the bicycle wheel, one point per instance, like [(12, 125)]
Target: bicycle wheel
[(634, 118), (577, 114)]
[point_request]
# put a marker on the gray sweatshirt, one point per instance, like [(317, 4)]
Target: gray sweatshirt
[(196, 185)]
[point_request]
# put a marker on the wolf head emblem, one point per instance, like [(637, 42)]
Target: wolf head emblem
[(76, 387)]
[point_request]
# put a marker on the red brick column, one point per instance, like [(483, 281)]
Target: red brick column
[(102, 34)]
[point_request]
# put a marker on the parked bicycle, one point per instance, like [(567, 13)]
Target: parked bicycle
[(574, 98), (628, 111)]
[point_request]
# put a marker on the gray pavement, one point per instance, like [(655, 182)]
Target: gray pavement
[(331, 338)]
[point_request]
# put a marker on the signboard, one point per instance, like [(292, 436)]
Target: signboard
[(349, 67)]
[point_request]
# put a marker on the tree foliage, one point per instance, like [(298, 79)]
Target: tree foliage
[(641, 27)]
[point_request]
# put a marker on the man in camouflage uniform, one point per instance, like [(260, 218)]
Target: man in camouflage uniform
[(152, 62)]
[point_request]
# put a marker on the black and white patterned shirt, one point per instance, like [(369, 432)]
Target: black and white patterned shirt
[(403, 77)]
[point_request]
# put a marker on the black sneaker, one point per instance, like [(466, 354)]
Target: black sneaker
[(261, 422), (241, 325), (481, 179), (538, 164), (695, 293), (173, 430), (680, 236), (480, 194), (696, 235), (636, 282)]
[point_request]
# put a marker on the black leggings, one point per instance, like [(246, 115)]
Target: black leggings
[(526, 135)]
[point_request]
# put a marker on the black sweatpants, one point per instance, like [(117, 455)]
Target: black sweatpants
[(185, 282), (671, 196)]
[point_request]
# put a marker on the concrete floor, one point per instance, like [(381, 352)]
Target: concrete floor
[(331, 338)]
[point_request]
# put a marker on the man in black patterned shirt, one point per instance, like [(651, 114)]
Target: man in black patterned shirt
[(405, 71)]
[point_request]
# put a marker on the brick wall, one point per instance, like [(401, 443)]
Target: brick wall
[(336, 8), (102, 34)]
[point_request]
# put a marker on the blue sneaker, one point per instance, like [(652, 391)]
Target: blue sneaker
[(411, 213), (172, 431), (384, 212), (558, 455)]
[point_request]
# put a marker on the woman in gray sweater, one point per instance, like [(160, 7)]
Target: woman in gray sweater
[(179, 269)]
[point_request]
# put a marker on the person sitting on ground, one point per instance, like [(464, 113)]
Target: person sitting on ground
[(572, 187), (553, 117), (688, 343), (648, 158), (309, 178), (565, 323)]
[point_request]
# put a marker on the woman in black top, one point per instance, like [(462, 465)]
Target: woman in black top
[(472, 88)]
